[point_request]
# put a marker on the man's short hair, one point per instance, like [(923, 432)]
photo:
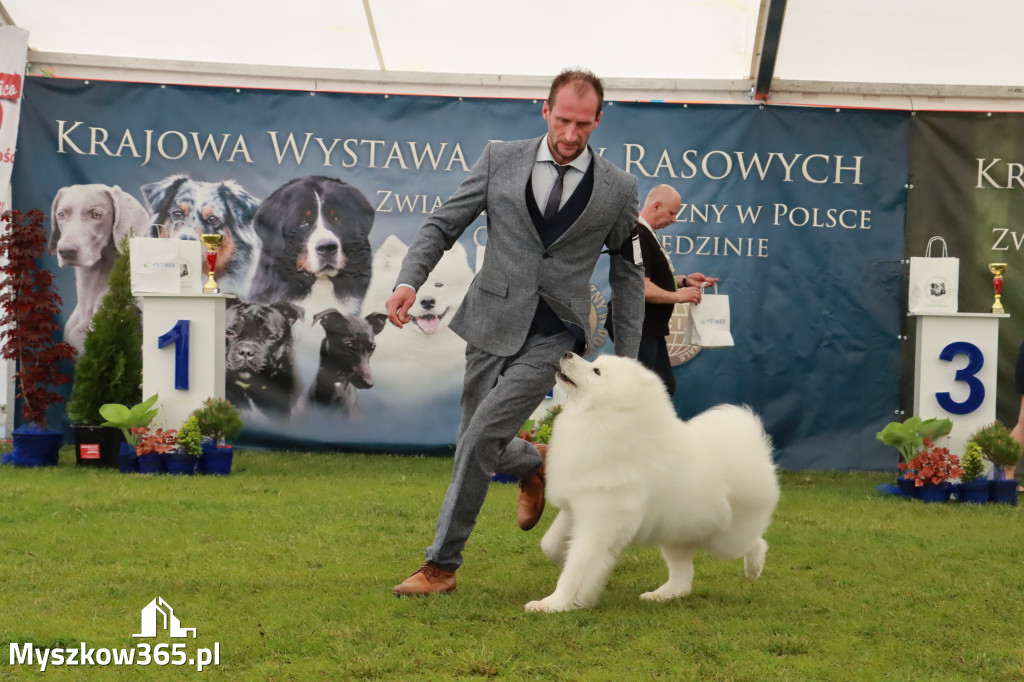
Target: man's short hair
[(582, 80)]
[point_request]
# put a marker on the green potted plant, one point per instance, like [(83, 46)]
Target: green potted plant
[(218, 421), (30, 304), (126, 419), (932, 470), (908, 438), (153, 447), (973, 485), (190, 447), (536, 431), (1003, 450), (109, 369)]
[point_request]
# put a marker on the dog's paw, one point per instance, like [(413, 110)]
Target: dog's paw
[(662, 594), (537, 606), (548, 605), (753, 561)]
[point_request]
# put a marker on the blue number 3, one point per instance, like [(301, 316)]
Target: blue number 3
[(975, 361)]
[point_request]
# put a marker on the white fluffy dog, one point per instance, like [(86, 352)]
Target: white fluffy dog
[(625, 470), (425, 360)]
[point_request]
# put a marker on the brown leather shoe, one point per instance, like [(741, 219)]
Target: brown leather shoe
[(428, 579), (531, 495)]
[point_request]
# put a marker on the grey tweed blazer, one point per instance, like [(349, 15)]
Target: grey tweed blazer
[(496, 313)]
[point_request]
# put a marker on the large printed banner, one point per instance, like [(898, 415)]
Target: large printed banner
[(798, 211), (967, 174)]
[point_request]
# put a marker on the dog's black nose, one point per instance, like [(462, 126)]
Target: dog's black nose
[(68, 253), (327, 248), (428, 303), (568, 354)]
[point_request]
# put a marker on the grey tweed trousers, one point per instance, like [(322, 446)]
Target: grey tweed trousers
[(499, 394)]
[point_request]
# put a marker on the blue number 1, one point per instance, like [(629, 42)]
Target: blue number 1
[(178, 335), (975, 361)]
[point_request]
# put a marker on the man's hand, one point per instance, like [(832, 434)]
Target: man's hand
[(398, 305), (689, 294), (696, 278)]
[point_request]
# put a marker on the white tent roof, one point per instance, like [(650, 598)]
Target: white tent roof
[(867, 48)]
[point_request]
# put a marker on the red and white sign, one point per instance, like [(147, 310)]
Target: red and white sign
[(89, 451), (10, 85)]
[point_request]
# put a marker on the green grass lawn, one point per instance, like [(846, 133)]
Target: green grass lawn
[(287, 565)]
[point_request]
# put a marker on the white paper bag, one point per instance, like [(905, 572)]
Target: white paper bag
[(934, 282), (709, 321), (166, 266), (155, 267)]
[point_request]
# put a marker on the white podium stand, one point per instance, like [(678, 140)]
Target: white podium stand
[(183, 350), (955, 370)]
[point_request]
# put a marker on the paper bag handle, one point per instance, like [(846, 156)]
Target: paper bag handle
[(928, 249), (704, 284)]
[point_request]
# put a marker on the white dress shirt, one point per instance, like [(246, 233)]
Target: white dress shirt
[(544, 174)]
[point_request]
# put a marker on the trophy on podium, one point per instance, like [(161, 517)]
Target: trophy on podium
[(211, 242), (997, 269)]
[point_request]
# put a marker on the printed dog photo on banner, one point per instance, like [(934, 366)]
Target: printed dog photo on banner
[(316, 248), (259, 367), (345, 356), (315, 253), (422, 363), (183, 208), (87, 224)]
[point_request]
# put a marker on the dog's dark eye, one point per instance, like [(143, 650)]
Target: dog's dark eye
[(213, 221), (597, 371), (178, 214), (96, 215), (61, 215), (438, 285)]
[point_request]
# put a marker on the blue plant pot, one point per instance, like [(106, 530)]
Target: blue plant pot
[(152, 464), (1004, 492), (907, 486), (34, 447), (975, 492), (127, 460), (935, 492), (179, 464), (216, 459)]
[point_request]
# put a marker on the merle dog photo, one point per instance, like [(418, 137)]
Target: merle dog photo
[(182, 208)]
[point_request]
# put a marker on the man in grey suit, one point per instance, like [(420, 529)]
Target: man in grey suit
[(552, 206)]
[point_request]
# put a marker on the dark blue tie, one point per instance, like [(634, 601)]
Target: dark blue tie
[(555, 198)]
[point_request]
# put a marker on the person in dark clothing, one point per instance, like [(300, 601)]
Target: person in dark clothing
[(662, 287)]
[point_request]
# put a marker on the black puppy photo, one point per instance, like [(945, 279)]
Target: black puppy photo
[(315, 232), (259, 365), (345, 358)]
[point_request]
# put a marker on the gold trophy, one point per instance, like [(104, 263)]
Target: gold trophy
[(211, 242), (997, 269)]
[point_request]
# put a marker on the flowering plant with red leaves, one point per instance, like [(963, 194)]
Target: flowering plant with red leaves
[(155, 442), (933, 465)]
